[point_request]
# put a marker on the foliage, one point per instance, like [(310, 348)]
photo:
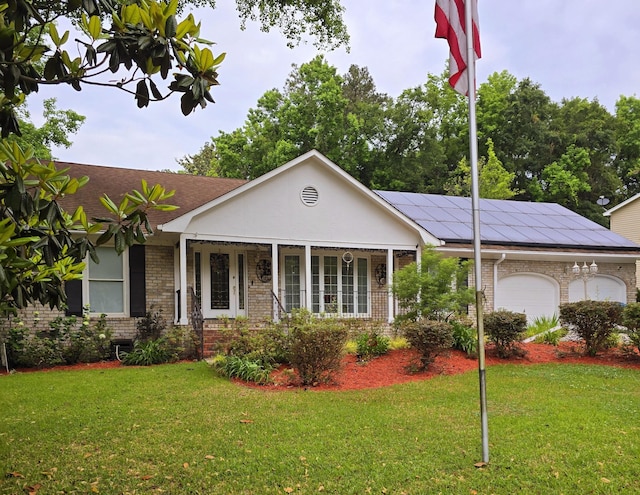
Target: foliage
[(41, 245), (551, 337), (267, 346), (531, 148), (541, 324), (65, 341), (57, 126), (371, 344), (505, 329), (593, 321), (398, 342), (428, 337), (315, 347), (631, 320), (465, 336), (436, 289), (151, 326), (243, 368), (183, 343), (146, 353)]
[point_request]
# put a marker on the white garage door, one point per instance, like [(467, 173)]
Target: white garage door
[(599, 288), (529, 293)]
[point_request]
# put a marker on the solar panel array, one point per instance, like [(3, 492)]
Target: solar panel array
[(449, 218)]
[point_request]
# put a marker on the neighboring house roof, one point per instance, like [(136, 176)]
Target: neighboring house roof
[(504, 222), (621, 205), (191, 191)]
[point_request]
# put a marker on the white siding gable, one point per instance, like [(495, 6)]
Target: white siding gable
[(271, 209)]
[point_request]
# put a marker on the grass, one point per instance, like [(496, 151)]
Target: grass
[(179, 429)]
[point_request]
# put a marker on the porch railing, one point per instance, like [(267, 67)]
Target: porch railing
[(371, 305)]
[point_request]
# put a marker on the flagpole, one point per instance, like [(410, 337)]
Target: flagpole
[(475, 203)]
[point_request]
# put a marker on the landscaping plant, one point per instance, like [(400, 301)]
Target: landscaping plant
[(428, 337), (631, 320), (505, 329), (315, 346), (465, 336), (371, 344), (593, 321)]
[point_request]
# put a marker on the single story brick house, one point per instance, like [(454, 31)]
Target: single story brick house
[(309, 235)]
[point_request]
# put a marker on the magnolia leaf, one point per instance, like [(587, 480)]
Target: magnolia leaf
[(95, 27)]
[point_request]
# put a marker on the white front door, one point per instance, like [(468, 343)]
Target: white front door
[(223, 286)]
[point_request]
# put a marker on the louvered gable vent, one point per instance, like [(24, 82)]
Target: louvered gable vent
[(309, 196)]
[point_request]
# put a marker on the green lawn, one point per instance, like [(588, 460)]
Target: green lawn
[(179, 429)]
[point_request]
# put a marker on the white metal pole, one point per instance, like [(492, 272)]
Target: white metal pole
[(475, 202)]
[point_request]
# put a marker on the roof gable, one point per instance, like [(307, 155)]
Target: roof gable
[(504, 222), (621, 205), (272, 207)]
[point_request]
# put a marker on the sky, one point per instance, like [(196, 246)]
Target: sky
[(572, 48)]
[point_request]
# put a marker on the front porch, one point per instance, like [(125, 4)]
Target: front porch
[(241, 280)]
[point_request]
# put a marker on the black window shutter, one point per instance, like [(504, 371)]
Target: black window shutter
[(73, 289), (137, 281)]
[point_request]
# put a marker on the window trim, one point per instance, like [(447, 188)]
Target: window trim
[(86, 282)]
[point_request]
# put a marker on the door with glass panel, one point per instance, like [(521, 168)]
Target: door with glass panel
[(340, 285), (221, 283)]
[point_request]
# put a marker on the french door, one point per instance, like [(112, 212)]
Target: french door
[(221, 283)]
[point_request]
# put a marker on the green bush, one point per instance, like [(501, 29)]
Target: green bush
[(428, 337), (465, 336), (315, 347), (146, 353), (505, 329), (243, 368), (151, 326), (65, 341), (631, 320), (371, 344), (182, 343), (551, 338), (267, 346), (593, 321)]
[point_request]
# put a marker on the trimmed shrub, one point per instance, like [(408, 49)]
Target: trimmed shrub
[(315, 347), (428, 337), (151, 326), (593, 321), (371, 345), (505, 329), (631, 320)]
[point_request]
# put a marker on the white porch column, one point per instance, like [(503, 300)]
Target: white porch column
[(275, 278), (391, 313), (307, 277), (184, 314)]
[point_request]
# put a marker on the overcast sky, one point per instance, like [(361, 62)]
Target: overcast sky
[(572, 48)]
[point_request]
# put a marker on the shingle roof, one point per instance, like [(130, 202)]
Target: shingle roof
[(449, 218), (191, 191)]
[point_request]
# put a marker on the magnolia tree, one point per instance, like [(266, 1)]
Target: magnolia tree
[(41, 245)]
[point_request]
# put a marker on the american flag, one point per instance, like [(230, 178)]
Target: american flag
[(450, 25)]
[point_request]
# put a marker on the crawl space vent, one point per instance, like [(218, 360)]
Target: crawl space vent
[(309, 196)]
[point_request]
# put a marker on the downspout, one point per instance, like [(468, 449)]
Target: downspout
[(503, 256)]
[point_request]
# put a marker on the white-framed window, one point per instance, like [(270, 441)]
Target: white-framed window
[(105, 283), (338, 286)]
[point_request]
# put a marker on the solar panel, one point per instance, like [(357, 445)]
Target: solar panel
[(503, 221)]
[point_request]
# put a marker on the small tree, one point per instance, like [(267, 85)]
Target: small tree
[(435, 289), (593, 321)]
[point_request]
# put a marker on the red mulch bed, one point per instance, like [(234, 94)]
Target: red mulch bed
[(395, 366)]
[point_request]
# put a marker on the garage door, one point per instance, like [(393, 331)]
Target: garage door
[(599, 288), (529, 293)]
